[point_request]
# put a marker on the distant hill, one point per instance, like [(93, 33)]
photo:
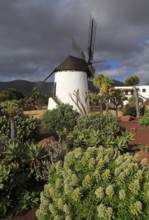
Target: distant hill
[(26, 87), (117, 83), (47, 87)]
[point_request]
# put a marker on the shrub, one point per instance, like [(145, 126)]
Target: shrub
[(26, 127), (90, 137), (23, 170), (15, 190), (145, 119), (55, 151), (3, 145), (106, 123), (4, 126), (130, 107), (96, 130), (61, 118), (18, 173), (96, 184), (13, 94), (129, 110)]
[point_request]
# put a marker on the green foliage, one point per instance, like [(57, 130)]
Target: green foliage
[(107, 124), (128, 109), (132, 100), (33, 155), (28, 104), (96, 102), (39, 97), (29, 155), (132, 80), (61, 118), (55, 151), (98, 129), (18, 177), (101, 80), (2, 96), (12, 94), (91, 137), (3, 175), (27, 200), (13, 182), (117, 98), (26, 127), (13, 153), (144, 148), (3, 145), (145, 119), (22, 168), (104, 84), (96, 184), (10, 108), (4, 126)]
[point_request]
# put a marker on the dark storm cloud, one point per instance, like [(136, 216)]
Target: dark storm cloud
[(35, 35)]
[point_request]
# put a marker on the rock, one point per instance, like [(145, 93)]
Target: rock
[(46, 141), (127, 118), (133, 129)]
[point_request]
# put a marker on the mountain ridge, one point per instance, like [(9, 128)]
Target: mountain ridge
[(26, 87)]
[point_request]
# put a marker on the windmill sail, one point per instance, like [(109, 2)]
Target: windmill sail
[(37, 87), (91, 40), (78, 49)]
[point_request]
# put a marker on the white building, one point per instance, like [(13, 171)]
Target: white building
[(143, 91), (71, 76)]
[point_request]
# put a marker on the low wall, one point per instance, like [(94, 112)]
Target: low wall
[(38, 113), (35, 113)]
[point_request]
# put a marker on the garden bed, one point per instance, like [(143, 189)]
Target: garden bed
[(140, 139), (140, 132)]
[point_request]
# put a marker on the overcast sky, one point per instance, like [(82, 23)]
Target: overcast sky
[(36, 36)]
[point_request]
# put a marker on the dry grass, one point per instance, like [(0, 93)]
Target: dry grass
[(35, 113)]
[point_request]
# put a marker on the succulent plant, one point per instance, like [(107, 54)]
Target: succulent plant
[(96, 184)]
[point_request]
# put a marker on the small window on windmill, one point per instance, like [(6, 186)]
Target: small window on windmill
[(54, 89), (143, 90)]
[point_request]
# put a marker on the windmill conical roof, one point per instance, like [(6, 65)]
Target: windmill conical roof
[(74, 64)]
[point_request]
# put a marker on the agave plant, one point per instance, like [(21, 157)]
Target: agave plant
[(13, 152), (34, 154)]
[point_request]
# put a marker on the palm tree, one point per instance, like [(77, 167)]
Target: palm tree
[(104, 84), (134, 81)]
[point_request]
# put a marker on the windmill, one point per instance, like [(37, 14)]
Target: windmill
[(91, 43), (71, 76)]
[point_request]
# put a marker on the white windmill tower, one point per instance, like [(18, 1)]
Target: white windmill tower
[(71, 77)]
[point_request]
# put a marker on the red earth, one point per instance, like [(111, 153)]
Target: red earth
[(140, 132), (141, 138)]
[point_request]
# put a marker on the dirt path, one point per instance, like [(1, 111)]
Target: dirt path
[(141, 133)]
